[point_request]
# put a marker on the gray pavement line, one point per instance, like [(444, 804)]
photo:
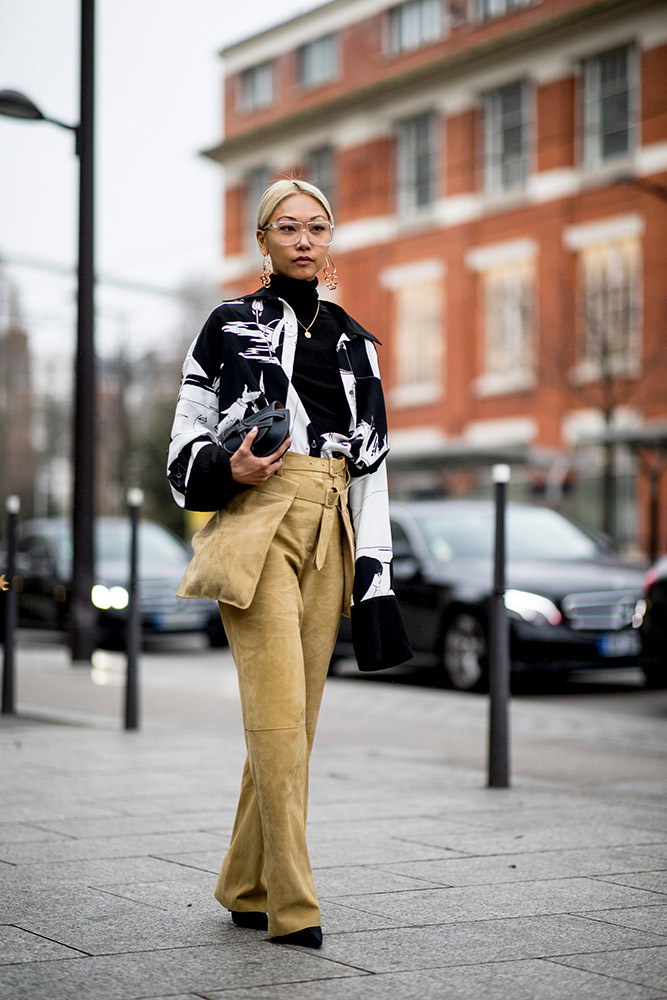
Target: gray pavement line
[(609, 880), (45, 937), (554, 959)]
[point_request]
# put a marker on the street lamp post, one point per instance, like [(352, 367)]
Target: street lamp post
[(17, 105)]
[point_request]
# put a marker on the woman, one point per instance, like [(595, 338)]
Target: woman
[(280, 553)]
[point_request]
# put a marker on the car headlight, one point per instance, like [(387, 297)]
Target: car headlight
[(532, 607), (641, 607), (109, 597)]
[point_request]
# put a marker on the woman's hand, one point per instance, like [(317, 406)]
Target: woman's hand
[(252, 470)]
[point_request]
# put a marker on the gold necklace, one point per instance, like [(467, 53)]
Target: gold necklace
[(306, 329)]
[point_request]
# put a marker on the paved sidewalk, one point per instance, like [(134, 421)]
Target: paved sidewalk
[(432, 885)]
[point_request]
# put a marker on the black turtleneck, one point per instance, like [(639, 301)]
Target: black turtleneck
[(316, 374)]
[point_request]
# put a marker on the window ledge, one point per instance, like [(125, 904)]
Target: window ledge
[(589, 371), (503, 383), (414, 219), (594, 173), (498, 200), (305, 87), (415, 395)]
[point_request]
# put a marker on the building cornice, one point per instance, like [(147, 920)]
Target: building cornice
[(448, 67)]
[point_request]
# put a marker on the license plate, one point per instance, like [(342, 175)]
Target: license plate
[(178, 620), (619, 644)]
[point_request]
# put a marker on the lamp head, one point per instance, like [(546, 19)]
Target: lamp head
[(14, 104)]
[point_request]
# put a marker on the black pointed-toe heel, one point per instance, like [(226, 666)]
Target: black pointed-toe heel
[(252, 919), (309, 937)]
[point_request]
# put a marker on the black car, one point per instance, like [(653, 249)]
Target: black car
[(654, 625), (44, 561), (571, 604)]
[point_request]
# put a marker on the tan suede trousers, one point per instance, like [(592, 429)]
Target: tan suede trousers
[(282, 645)]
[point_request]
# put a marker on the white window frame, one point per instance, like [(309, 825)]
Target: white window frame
[(414, 152), (255, 87), (256, 183), (415, 23), (610, 295), (321, 175), (310, 73), (418, 294), (486, 10), (508, 342), (496, 126), (592, 96)]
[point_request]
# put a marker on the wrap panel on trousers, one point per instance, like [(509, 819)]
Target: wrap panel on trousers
[(282, 644), (231, 549)]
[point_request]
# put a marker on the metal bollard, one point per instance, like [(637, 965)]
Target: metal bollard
[(499, 651), (135, 499), (13, 504)]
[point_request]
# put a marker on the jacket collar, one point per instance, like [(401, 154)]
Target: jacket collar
[(347, 322)]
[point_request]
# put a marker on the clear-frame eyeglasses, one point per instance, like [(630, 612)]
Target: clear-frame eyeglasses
[(289, 232)]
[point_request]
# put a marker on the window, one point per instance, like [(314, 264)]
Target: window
[(609, 102), (256, 87), (318, 61), (320, 170), (417, 160), (609, 275), (415, 23), (508, 292), (506, 138), (419, 342), (257, 181), (487, 9)]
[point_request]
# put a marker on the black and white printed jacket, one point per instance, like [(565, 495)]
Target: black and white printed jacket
[(241, 361)]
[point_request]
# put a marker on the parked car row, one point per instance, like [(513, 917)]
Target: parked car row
[(44, 562), (571, 604)]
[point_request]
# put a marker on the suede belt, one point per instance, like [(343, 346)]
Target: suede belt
[(331, 499)]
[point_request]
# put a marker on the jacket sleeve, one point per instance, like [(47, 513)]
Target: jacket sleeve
[(197, 467), (378, 632)]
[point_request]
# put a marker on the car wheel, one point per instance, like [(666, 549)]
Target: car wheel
[(215, 634), (655, 676), (464, 652)]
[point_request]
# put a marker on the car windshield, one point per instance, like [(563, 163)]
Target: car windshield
[(532, 533), (112, 540), (112, 544)]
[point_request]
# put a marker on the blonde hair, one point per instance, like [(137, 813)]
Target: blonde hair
[(283, 189)]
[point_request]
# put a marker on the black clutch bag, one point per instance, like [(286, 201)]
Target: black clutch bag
[(273, 423)]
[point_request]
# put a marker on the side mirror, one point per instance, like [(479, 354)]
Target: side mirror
[(405, 568)]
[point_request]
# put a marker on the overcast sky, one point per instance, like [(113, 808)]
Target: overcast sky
[(158, 202)]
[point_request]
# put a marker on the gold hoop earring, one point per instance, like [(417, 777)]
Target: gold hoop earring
[(330, 274), (265, 274)]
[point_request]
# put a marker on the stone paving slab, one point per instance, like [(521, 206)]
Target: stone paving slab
[(344, 850), (118, 847), (548, 837), (95, 873), (431, 884), (609, 862), (654, 880), (642, 918), (475, 942), (115, 926), (240, 962), (454, 905), (124, 826), (523, 980), (18, 945), (645, 965), (25, 833), (207, 861), (353, 880)]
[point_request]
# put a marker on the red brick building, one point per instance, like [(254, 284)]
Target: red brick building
[(472, 150)]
